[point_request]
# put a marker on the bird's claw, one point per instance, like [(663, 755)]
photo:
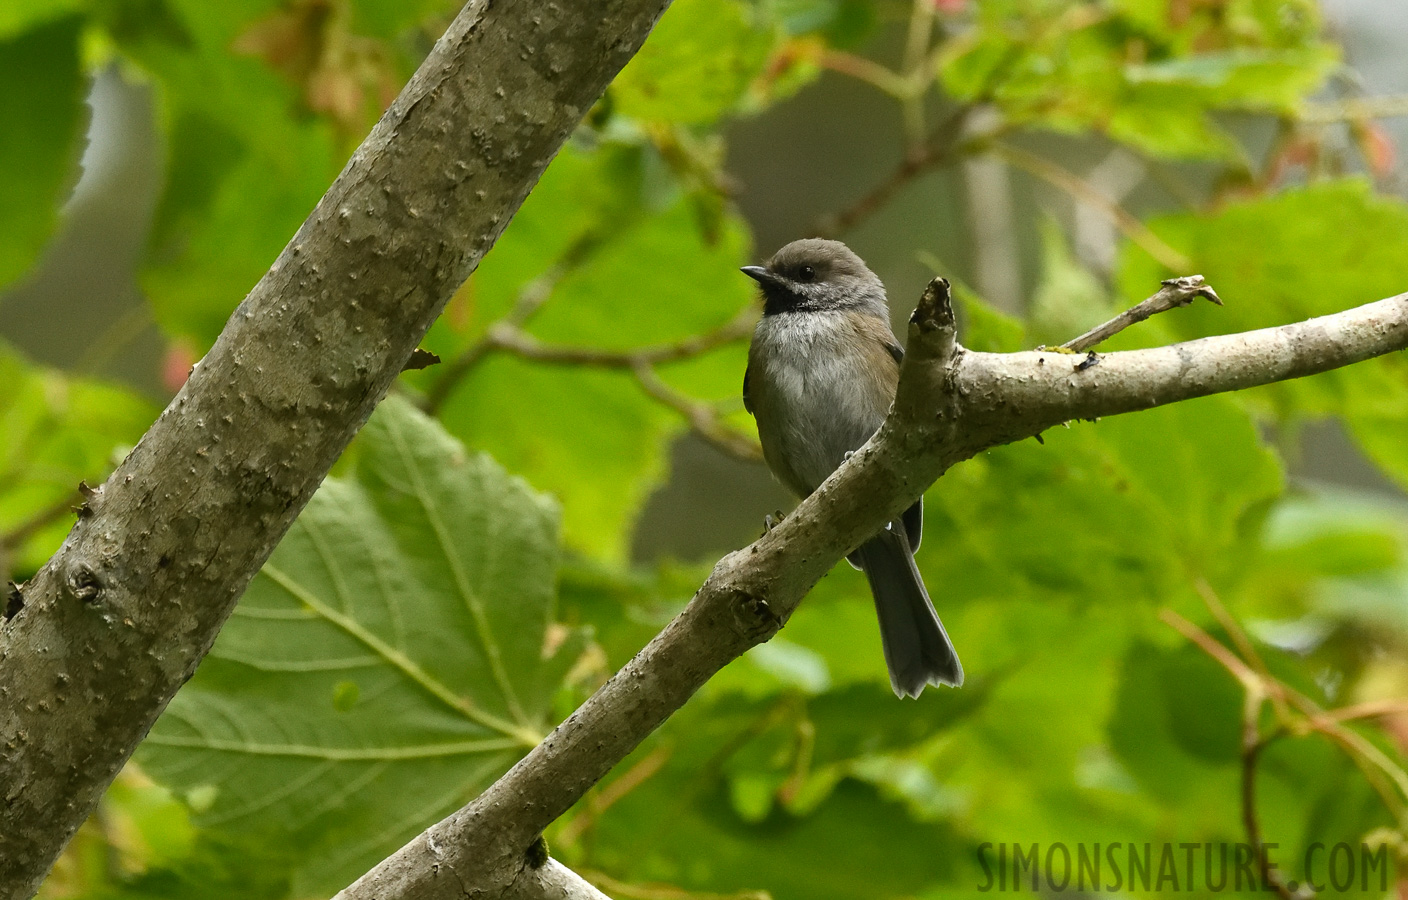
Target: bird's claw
[(772, 521)]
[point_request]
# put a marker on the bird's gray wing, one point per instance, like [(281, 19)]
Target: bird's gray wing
[(747, 403), (895, 350)]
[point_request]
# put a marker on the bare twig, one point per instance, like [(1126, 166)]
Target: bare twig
[(1372, 709), (1238, 634), (1175, 292), (509, 338), (15, 537), (1212, 647), (604, 799), (1260, 686), (1252, 745), (942, 148), (704, 419), (1353, 109), (869, 71), (530, 299), (1086, 193), (1257, 686)]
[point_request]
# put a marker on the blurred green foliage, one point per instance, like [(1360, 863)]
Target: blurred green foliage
[(425, 618)]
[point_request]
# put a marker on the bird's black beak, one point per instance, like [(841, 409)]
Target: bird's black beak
[(760, 275)]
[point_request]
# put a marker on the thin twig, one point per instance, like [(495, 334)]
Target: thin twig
[(520, 343), (1255, 686), (869, 71), (1175, 292), (1372, 709), (917, 58), (942, 148), (1354, 109), (15, 537), (1245, 646), (1252, 745), (1087, 193), (602, 800), (530, 299), (1240, 670), (1372, 761), (704, 420)]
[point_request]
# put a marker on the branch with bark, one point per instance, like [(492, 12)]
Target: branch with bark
[(952, 404), (100, 640)]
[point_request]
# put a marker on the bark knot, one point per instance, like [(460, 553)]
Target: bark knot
[(84, 582)]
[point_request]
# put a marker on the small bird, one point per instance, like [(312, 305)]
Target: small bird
[(822, 372)]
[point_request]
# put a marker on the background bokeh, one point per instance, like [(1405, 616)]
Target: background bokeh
[(164, 150)]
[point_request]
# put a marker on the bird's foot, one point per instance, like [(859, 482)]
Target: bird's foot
[(772, 521)]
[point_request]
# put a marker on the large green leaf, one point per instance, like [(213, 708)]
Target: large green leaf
[(1318, 249), (55, 430), (247, 161), (41, 103), (17, 16), (394, 656), (689, 823)]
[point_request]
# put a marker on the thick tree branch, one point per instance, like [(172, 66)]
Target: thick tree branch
[(550, 881), (952, 404), (118, 619)]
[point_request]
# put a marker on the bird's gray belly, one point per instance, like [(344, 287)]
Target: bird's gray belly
[(817, 405)]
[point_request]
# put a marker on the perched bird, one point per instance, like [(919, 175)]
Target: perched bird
[(822, 372)]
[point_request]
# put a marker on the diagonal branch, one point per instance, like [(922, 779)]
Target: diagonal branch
[(119, 618), (1087, 193), (952, 404)]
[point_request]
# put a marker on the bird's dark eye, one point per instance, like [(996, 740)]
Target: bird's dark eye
[(806, 273)]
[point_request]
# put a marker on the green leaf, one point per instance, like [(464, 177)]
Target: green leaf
[(985, 327), (1125, 507), (695, 825), (42, 85), (1136, 71), (394, 656), (697, 63), (1276, 79), (391, 18), (17, 16), (56, 430), (247, 164), (1069, 300), (1319, 249)]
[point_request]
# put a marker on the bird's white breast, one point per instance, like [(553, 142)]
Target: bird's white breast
[(820, 384)]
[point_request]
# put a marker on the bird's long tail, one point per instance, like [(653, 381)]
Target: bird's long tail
[(917, 649)]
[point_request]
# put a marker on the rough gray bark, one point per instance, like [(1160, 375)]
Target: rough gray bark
[(121, 615), (551, 881), (952, 404)]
